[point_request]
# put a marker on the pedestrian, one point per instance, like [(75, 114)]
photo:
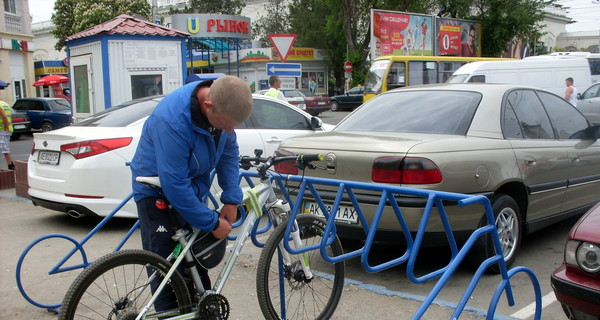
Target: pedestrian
[(274, 91), (6, 130), (190, 133), (67, 94), (571, 92)]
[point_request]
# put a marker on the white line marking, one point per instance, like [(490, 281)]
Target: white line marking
[(529, 310)]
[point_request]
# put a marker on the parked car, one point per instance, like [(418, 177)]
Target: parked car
[(535, 156), (81, 169), (46, 114), (21, 124), (305, 100), (589, 103), (576, 282), (350, 100)]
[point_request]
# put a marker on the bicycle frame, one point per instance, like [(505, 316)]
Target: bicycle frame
[(256, 200)]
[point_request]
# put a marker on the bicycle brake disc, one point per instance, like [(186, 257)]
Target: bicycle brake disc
[(214, 307)]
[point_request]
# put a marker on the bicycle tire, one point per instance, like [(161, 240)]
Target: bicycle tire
[(316, 298), (105, 288)]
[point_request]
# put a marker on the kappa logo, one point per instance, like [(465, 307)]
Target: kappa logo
[(161, 228)]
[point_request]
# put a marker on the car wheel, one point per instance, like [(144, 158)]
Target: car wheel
[(15, 136), (47, 126), (510, 231), (335, 106)]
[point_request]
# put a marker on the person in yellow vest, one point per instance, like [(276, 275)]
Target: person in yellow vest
[(274, 92), (6, 130)]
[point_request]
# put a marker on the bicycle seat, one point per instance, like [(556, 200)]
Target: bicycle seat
[(152, 182)]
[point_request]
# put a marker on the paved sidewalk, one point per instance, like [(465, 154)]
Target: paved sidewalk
[(22, 223)]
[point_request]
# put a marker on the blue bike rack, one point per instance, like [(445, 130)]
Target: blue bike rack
[(435, 199)]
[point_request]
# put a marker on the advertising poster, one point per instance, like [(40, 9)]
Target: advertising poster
[(401, 33), (458, 38)]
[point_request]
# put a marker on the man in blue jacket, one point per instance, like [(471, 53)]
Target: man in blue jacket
[(189, 134)]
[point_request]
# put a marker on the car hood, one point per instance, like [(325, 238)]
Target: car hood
[(384, 142), (586, 229)]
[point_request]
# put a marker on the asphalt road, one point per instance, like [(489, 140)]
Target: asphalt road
[(386, 290)]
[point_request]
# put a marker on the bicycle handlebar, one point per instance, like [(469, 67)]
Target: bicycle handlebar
[(263, 164)]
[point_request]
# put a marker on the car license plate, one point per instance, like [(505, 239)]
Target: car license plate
[(344, 214), (19, 126), (321, 102), (49, 157)]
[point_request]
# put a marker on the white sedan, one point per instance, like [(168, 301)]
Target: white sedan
[(82, 169)]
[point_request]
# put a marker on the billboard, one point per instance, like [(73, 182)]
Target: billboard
[(458, 38), (401, 33)]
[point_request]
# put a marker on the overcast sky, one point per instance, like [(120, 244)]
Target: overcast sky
[(585, 12)]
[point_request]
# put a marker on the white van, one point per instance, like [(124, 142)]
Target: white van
[(543, 72)]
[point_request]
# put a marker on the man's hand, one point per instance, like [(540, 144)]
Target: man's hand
[(229, 213), (223, 230)]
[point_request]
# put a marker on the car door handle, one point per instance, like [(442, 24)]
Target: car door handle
[(530, 162), (274, 140)]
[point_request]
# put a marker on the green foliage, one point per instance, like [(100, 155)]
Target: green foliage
[(232, 7), (274, 21), (73, 16)]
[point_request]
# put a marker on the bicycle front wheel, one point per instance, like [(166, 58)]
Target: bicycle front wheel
[(119, 284), (284, 291)]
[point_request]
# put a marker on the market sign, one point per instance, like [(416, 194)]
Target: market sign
[(212, 25)]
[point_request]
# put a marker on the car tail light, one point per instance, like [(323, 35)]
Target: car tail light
[(405, 171), (18, 119), (287, 167), (32, 148), (84, 149)]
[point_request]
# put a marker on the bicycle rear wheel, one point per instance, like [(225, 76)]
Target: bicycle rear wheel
[(303, 298), (116, 286)]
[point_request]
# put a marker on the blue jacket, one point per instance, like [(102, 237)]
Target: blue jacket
[(183, 155)]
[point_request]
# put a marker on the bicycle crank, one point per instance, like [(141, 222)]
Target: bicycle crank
[(214, 307)]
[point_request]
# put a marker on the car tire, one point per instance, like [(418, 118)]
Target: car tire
[(335, 106), (510, 231), (47, 126), (15, 136)]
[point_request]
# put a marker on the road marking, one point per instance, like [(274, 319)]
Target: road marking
[(529, 310)]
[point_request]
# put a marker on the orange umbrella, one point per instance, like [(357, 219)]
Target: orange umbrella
[(50, 80)]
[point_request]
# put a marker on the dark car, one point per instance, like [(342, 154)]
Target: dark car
[(21, 124), (307, 100), (350, 100), (576, 283), (46, 114)]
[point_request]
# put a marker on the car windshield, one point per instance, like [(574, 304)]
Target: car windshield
[(308, 93), (121, 115), (375, 76), (457, 78), (440, 112), (59, 105)]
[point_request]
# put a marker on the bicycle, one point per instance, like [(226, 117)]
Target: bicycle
[(130, 284)]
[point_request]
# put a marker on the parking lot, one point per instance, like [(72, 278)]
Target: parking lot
[(386, 291)]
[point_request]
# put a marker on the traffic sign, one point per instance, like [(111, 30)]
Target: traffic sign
[(284, 69), (283, 43), (348, 66)]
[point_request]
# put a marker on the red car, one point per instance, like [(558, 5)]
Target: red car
[(307, 100), (577, 282)]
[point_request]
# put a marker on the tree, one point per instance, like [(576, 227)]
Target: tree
[(274, 21), (233, 7), (73, 16)]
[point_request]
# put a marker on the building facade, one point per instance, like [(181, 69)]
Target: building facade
[(16, 51)]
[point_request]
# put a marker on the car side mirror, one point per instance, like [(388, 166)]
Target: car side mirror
[(579, 96), (316, 123)]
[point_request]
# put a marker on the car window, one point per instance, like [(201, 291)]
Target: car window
[(272, 115), (20, 105), (356, 90), (36, 105), (444, 112), (568, 123), (530, 114), (593, 91), (121, 115), (510, 125), (59, 105), (477, 79), (291, 93)]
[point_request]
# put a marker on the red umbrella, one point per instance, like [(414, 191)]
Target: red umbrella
[(50, 80)]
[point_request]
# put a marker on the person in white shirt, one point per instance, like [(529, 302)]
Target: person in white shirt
[(571, 92)]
